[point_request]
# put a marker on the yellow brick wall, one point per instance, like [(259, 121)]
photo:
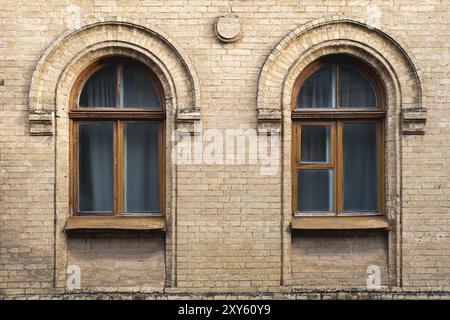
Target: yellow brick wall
[(227, 230)]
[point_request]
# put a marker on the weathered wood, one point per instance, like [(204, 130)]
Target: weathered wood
[(339, 223), (115, 223), (110, 115), (337, 114)]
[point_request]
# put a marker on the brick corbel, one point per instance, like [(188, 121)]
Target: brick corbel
[(41, 122), (188, 120), (269, 120), (413, 121)]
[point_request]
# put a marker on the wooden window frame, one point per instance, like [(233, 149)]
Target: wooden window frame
[(115, 61), (298, 165), (336, 118), (336, 164), (118, 117), (347, 61)]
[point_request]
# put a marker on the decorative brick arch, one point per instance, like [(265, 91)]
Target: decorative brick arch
[(51, 86), (73, 51), (398, 74), (339, 35)]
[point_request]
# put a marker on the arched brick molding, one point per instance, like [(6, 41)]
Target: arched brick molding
[(52, 82), (306, 43), (80, 47), (393, 65)]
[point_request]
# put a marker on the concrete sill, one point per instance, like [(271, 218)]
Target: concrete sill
[(340, 223), (117, 223)]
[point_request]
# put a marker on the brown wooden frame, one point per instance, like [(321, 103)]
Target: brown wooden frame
[(117, 61), (297, 164), (341, 60), (118, 117), (335, 118)]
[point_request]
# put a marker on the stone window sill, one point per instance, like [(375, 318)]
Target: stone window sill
[(340, 223), (111, 223)]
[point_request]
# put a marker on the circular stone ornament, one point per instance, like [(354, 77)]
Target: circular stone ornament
[(228, 28)]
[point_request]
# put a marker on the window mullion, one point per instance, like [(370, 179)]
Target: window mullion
[(380, 167), (298, 134), (74, 158), (115, 182), (119, 167), (161, 167), (337, 88), (297, 140), (117, 86), (338, 168)]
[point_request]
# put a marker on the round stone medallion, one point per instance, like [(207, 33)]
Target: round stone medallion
[(228, 28)]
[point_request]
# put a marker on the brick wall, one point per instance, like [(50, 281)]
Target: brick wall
[(228, 224), (117, 262), (330, 259)]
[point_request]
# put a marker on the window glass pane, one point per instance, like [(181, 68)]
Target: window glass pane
[(138, 90), (315, 145), (95, 167), (360, 170), (100, 90), (141, 167), (355, 89), (319, 90), (315, 190)]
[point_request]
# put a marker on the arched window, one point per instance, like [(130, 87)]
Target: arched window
[(338, 156), (117, 140)]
